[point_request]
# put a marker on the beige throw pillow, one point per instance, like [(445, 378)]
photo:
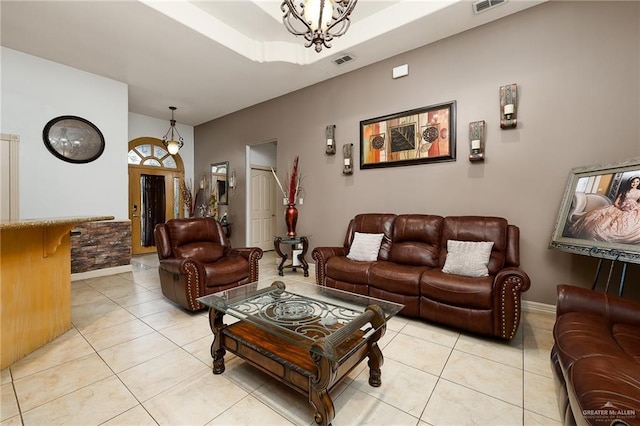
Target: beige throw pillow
[(365, 247), (469, 258)]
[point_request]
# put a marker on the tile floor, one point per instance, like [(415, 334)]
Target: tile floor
[(132, 357)]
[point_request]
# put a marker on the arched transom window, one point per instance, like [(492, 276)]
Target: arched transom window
[(151, 155)]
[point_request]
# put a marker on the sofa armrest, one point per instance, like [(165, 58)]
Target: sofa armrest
[(508, 285), (252, 254), (613, 308), (321, 255)]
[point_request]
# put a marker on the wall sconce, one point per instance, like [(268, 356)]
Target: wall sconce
[(508, 106), (476, 138), (347, 152), (233, 181), (330, 133)]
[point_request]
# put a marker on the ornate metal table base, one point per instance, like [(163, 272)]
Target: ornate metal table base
[(292, 241)]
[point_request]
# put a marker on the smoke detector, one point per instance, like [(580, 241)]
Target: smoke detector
[(484, 5), (341, 60)]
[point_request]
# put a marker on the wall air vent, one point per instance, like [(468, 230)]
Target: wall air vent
[(341, 60), (484, 5)]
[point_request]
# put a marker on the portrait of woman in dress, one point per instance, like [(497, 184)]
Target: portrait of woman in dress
[(616, 223)]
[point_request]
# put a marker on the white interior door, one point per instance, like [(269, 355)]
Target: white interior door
[(263, 209), (9, 176)]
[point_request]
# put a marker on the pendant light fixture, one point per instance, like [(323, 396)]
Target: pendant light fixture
[(173, 145), (319, 21)]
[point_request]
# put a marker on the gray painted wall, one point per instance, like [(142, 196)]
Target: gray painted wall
[(577, 68)]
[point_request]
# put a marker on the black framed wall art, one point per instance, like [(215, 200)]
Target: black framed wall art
[(423, 135)]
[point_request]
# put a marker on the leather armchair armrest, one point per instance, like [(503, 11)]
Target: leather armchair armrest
[(614, 308), (508, 285), (187, 274), (252, 254), (321, 255)]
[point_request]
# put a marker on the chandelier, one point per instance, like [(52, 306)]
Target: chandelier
[(173, 145), (319, 21)]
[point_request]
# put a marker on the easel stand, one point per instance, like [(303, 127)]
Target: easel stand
[(622, 275)]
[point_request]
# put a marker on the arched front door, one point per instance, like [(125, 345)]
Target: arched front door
[(155, 181)]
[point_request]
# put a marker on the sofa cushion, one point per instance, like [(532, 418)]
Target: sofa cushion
[(226, 270), (342, 269), (365, 247), (468, 258), (478, 228), (628, 337), (416, 240), (185, 231), (203, 251), (396, 278), (582, 334), (605, 390), (373, 223), (457, 290)]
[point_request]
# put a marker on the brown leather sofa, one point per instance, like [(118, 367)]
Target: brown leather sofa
[(196, 259), (596, 358), (409, 266)]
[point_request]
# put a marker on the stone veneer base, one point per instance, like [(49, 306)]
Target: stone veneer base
[(100, 245)]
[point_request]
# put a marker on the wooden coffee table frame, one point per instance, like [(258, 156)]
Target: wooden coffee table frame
[(300, 366)]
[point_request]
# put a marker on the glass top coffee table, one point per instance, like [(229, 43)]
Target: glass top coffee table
[(306, 336)]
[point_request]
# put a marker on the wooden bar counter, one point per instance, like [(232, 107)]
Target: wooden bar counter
[(35, 280)]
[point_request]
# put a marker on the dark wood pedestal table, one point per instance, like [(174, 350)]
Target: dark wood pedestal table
[(306, 336), (293, 242)]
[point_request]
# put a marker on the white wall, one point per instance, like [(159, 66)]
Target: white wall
[(35, 91), (145, 126)]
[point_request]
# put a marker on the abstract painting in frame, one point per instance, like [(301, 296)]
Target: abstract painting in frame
[(599, 213), (423, 135)]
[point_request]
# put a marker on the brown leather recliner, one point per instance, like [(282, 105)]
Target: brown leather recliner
[(596, 358), (196, 259)]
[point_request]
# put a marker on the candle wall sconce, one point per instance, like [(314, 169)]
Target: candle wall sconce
[(233, 180), (330, 133), (347, 152), (476, 138), (508, 106)]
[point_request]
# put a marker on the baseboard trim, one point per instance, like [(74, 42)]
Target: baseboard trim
[(101, 272), (542, 308)]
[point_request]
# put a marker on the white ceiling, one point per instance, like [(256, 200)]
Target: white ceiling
[(211, 58)]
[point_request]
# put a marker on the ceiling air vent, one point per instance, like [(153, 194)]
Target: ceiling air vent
[(341, 60), (484, 5)]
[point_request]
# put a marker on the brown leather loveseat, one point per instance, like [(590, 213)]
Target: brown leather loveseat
[(196, 259), (409, 270), (596, 358)]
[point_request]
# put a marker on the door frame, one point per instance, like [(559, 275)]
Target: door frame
[(274, 203), (135, 171), (247, 168)]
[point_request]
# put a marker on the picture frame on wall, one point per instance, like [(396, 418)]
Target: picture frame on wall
[(73, 139), (418, 136), (599, 214)]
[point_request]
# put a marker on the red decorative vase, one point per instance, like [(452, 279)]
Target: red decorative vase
[(291, 218)]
